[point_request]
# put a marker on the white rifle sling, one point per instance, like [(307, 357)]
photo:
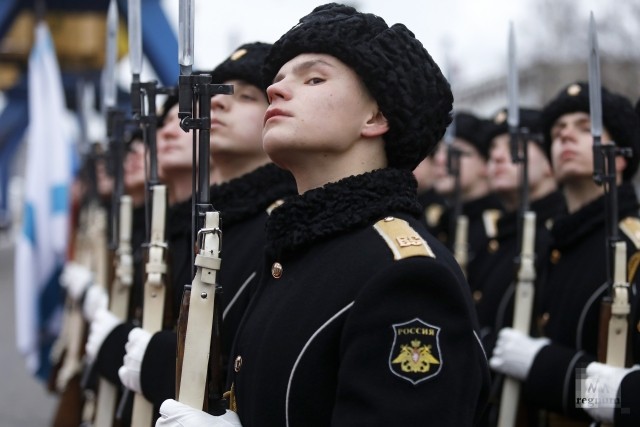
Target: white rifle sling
[(460, 249), (201, 312), (620, 309), (123, 277), (154, 292), (522, 310)]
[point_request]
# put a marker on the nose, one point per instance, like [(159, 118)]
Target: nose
[(219, 102), (277, 90)]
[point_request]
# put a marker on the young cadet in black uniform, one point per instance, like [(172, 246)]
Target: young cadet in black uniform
[(621, 383), (361, 317), (494, 296), (433, 204), (479, 204), (246, 187), (575, 282)]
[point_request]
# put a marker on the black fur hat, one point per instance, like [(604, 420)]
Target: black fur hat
[(618, 117), (164, 110), (245, 63), (472, 129), (397, 70), (530, 121)]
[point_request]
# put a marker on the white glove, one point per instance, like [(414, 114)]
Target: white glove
[(136, 346), (607, 380), (96, 299), (75, 278), (514, 353), (176, 414), (103, 323)]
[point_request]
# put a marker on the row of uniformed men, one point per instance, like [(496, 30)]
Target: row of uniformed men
[(329, 318), (557, 360)]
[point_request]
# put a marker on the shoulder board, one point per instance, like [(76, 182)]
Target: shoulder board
[(490, 219), (433, 213), (403, 240), (630, 226), (274, 205)]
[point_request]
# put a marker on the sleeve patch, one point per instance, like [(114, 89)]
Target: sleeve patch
[(415, 353), (403, 240)]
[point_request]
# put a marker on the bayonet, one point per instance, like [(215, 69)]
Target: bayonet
[(595, 101)]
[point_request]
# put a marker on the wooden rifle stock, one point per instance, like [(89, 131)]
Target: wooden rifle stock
[(523, 308)]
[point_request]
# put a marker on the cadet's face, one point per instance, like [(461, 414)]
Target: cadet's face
[(425, 173), (473, 168), (175, 146), (134, 173), (504, 175), (236, 120), (572, 147), (318, 106)]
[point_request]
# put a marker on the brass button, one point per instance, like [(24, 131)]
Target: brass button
[(237, 364), (276, 270), (493, 246), (477, 296), (555, 256)]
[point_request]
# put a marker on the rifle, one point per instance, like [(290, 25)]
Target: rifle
[(614, 308), (525, 262), (199, 357), (155, 286), (89, 249), (119, 296)]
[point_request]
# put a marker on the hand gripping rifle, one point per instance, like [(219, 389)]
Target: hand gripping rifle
[(199, 354), (525, 262), (615, 308)]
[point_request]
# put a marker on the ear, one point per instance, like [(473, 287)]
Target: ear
[(376, 125), (621, 164)]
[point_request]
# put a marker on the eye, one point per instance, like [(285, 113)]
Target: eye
[(315, 80)]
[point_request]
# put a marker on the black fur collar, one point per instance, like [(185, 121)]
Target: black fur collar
[(572, 227), (348, 204), (244, 197)]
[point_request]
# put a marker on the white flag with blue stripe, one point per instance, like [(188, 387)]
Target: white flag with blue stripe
[(42, 244)]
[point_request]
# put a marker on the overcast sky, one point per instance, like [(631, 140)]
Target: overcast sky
[(472, 34)]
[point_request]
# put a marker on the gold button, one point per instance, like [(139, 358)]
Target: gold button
[(276, 270), (493, 245), (477, 296), (555, 256), (237, 364)]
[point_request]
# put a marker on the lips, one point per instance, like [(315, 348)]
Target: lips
[(567, 155), (274, 112)]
